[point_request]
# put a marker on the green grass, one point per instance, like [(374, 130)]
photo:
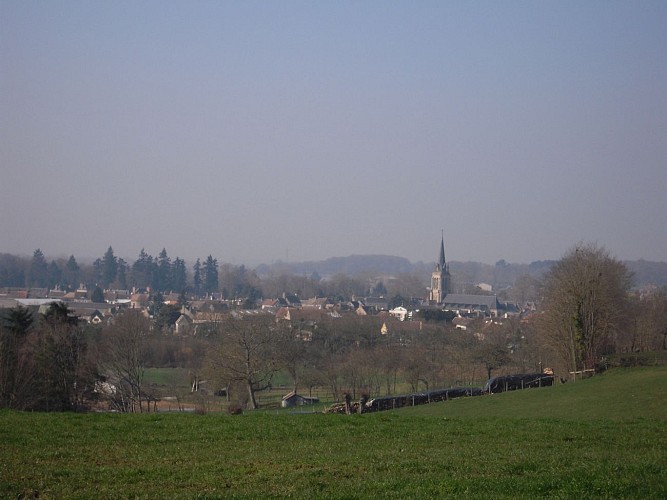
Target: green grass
[(171, 378), (474, 447), (619, 394)]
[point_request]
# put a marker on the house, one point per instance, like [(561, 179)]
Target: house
[(465, 304), (93, 313), (117, 296), (399, 313), (315, 302), (139, 300), (462, 323), (94, 317), (293, 399), (270, 305), (183, 324), (376, 304), (360, 311)]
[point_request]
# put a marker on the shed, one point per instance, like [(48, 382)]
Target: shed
[(293, 399)]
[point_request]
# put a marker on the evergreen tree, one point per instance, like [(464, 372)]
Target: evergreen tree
[(210, 272), (109, 268), (163, 281), (121, 277), (39, 270), (12, 270), (15, 369), (97, 271), (97, 295), (142, 270), (55, 275), (64, 376), (72, 273), (197, 277), (178, 275)]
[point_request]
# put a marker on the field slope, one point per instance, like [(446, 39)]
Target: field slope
[(620, 394), (538, 443)]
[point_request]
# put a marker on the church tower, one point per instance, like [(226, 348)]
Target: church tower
[(440, 277)]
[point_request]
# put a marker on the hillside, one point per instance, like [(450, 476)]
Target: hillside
[(500, 275), (501, 446), (619, 394)]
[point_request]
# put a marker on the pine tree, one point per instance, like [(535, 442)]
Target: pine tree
[(164, 272), (109, 268), (197, 277), (178, 275), (39, 270), (210, 272)]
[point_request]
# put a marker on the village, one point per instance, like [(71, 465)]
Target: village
[(192, 313)]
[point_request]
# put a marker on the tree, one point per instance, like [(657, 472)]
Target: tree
[(179, 277), (210, 275), (292, 353), (97, 296), (166, 317), (55, 275), (526, 288), (142, 270), (584, 305), (246, 354), (109, 268), (127, 352), (39, 270), (649, 323), (72, 272), (121, 276), (197, 277), (163, 271), (15, 367), (65, 375), (492, 350)]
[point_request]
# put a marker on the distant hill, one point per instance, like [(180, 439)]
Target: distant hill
[(501, 275), (352, 265), (647, 272)]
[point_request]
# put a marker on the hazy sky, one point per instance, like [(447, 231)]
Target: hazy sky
[(273, 130)]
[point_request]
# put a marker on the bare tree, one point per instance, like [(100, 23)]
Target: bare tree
[(126, 351), (492, 350), (584, 306), (247, 353), (649, 323)]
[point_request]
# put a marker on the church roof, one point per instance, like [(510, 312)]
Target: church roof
[(465, 300)]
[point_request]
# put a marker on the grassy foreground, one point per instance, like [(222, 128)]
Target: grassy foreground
[(434, 451)]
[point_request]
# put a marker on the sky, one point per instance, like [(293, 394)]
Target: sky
[(259, 131)]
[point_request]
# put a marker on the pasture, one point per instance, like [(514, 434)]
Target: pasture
[(602, 437)]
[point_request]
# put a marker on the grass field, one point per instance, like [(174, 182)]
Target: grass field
[(602, 437)]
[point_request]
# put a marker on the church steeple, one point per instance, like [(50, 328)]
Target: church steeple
[(441, 260), (440, 276)]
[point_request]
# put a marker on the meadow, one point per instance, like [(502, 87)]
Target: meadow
[(601, 437)]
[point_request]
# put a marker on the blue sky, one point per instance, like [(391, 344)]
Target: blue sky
[(260, 131)]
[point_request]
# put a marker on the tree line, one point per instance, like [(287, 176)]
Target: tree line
[(205, 277), (160, 273)]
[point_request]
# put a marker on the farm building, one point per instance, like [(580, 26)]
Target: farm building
[(293, 399)]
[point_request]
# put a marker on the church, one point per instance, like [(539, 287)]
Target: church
[(440, 277), (462, 304)]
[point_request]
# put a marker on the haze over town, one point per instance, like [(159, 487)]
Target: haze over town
[(296, 131)]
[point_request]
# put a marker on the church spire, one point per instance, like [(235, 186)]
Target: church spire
[(440, 278), (441, 260)]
